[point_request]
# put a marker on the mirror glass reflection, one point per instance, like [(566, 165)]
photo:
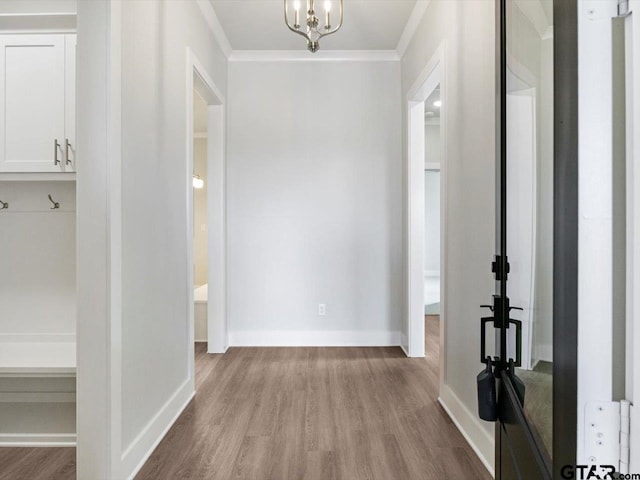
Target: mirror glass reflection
[(530, 202)]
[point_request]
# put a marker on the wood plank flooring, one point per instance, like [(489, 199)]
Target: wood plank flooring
[(316, 413), (37, 463), (300, 413)]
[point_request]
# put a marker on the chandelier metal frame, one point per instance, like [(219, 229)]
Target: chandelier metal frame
[(313, 32)]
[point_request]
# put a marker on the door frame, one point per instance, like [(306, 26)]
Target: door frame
[(199, 80), (433, 73), (565, 244), (565, 233)]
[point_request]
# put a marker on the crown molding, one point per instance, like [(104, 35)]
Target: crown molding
[(321, 56), (412, 26), (215, 26)]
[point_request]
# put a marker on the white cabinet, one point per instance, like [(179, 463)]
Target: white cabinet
[(37, 103)]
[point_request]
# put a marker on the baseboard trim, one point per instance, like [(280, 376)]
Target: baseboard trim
[(482, 443), (37, 440), (139, 451), (296, 338)]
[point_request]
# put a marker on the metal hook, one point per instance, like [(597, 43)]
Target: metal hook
[(3, 205), (56, 205)]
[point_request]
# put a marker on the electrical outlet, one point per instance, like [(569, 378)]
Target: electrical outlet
[(322, 309)]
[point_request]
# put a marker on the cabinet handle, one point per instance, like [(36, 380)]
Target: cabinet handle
[(67, 149), (56, 147)]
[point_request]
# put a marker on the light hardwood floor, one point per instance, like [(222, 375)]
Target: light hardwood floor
[(309, 413)]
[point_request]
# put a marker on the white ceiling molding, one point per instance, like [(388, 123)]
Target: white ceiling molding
[(216, 27), (320, 56), (38, 23), (535, 13), (412, 26)]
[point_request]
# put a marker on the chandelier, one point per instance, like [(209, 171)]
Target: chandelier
[(313, 32)]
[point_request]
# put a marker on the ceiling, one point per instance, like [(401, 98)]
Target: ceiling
[(430, 110), (259, 24)]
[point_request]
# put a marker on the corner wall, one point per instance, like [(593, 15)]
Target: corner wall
[(133, 314), (467, 28)]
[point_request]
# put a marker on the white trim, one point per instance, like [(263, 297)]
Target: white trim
[(197, 77), (429, 78), (200, 135), (38, 177), (114, 225), (411, 27), (473, 431), (215, 26), (99, 272), (320, 56), (632, 28), (310, 338), (37, 440), (141, 448)]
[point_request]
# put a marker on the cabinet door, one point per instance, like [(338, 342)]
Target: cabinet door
[(32, 102), (70, 103)]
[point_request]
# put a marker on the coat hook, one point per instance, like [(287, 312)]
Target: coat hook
[(3, 205), (56, 205)]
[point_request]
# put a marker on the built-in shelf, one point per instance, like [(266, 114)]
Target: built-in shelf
[(38, 177), (37, 359)]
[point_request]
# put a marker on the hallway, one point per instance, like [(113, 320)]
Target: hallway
[(315, 413)]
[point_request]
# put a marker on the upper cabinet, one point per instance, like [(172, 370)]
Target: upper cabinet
[(37, 103)]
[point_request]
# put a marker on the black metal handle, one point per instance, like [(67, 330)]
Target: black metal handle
[(518, 324), (483, 340)]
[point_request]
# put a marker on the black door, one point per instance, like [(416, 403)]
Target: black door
[(534, 309)]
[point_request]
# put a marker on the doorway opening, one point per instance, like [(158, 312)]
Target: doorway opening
[(206, 222), (200, 235), (432, 162), (426, 248)]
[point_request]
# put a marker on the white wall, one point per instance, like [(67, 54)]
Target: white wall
[(200, 236), (468, 29), (432, 222), (38, 258), (543, 311), (134, 351), (432, 147), (155, 35), (314, 202)]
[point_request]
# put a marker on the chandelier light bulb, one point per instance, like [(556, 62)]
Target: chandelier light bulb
[(309, 26), (296, 6)]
